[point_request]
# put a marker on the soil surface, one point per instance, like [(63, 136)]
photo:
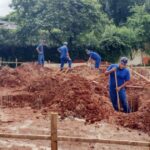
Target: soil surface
[(29, 121), (80, 96)]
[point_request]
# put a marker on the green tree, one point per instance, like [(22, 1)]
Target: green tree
[(119, 10), (140, 21), (117, 41), (98, 24), (63, 20), (7, 37)]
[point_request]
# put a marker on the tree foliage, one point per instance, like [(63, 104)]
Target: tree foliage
[(111, 27), (62, 20), (119, 10), (140, 20)]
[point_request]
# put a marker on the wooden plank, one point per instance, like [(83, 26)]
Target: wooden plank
[(5, 62), (104, 141), (20, 136), (54, 145), (144, 78), (76, 139), (135, 87), (16, 62)]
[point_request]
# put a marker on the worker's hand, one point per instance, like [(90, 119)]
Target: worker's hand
[(114, 69), (118, 89)]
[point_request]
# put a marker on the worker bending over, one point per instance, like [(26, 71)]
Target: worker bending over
[(40, 50), (123, 77), (94, 56), (64, 57)]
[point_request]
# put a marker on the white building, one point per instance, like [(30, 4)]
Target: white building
[(7, 25)]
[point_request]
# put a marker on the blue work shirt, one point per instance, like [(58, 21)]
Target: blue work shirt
[(41, 49), (123, 75), (95, 56), (64, 51)]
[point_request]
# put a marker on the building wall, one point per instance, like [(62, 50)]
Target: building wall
[(139, 58)]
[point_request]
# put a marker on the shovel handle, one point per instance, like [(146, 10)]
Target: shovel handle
[(118, 99)]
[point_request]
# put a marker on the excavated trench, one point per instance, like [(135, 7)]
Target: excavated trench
[(81, 93), (134, 105)]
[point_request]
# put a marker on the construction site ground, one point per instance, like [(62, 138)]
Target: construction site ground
[(29, 93)]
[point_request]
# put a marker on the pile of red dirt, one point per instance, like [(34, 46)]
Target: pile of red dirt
[(69, 95), (9, 77), (81, 93), (84, 71), (77, 98), (22, 76)]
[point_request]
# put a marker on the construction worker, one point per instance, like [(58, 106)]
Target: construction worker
[(40, 50), (64, 57), (94, 56), (123, 78)]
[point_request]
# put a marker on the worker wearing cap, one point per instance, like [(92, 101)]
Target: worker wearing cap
[(94, 56), (64, 56), (123, 77), (40, 50)]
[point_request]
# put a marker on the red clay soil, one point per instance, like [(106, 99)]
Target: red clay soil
[(77, 97), (140, 101), (81, 93), (21, 76)]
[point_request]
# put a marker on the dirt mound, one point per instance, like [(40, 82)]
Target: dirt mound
[(32, 72), (22, 76), (9, 77), (77, 97), (81, 93), (71, 95), (85, 71)]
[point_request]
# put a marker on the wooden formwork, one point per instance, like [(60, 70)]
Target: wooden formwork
[(54, 138)]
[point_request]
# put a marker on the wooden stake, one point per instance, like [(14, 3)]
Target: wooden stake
[(118, 99), (54, 143), (16, 62), (144, 78), (130, 67), (0, 62)]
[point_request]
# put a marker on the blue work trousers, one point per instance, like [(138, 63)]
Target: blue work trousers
[(65, 60), (41, 59), (97, 63), (122, 98)]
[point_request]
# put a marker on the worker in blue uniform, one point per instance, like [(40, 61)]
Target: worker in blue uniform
[(64, 56), (123, 77), (40, 50), (94, 56)]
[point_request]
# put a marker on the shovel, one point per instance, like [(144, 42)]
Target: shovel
[(118, 99)]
